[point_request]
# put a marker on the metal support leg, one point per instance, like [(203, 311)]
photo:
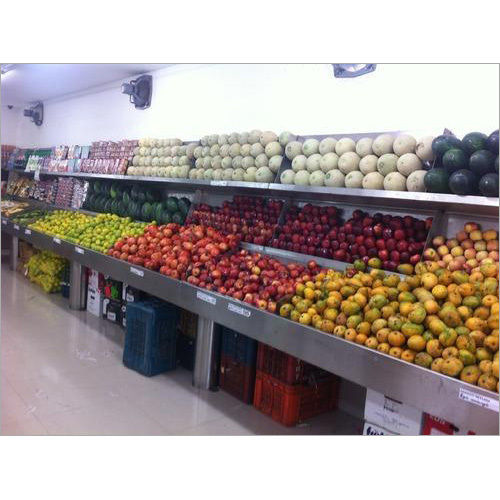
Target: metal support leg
[(14, 252), (206, 362), (77, 286)]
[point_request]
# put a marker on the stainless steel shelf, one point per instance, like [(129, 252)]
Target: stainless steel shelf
[(429, 391)]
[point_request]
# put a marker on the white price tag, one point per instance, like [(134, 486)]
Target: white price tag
[(218, 183), (134, 270), (112, 316), (478, 399), (79, 250), (129, 297), (27, 231), (56, 240), (4, 222), (206, 298), (239, 310), (16, 226), (37, 175)]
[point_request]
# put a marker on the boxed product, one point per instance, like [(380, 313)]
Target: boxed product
[(131, 294), (112, 310), (434, 426), (95, 279), (370, 429), (392, 415), (94, 301), (112, 288)]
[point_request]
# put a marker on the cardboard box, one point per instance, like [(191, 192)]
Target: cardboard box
[(94, 301), (370, 429), (131, 294), (434, 426), (95, 279), (392, 415), (112, 310)]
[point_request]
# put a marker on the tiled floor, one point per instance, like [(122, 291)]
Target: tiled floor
[(61, 373)]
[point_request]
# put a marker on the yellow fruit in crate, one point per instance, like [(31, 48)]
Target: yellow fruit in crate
[(305, 319), (382, 335), (371, 342), (327, 326), (494, 368), (384, 347), (395, 352), (350, 334), (470, 374), (452, 366), (487, 381), (408, 355)]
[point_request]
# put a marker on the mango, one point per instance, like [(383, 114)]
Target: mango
[(372, 315), (408, 355), (350, 334), (478, 337), (417, 315), (384, 347), (476, 324), (450, 352), (396, 339), (360, 338), (427, 335), (466, 357), (406, 297), (408, 329), (416, 343), (396, 352), (429, 280), (440, 292), (487, 381), (436, 365), (459, 277), (486, 366), (471, 301), (482, 312), (450, 316), (371, 342), (466, 342), (489, 286), (354, 321), (382, 335), (363, 327), (470, 374), (431, 307), (327, 326), (434, 348), (491, 342), (378, 301), (448, 337), (466, 289), (378, 324), (339, 331), (483, 354), (437, 326), (464, 312), (452, 367), (445, 277), (423, 359), (387, 312)]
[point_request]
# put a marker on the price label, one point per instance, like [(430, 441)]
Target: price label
[(37, 175), (239, 310), (16, 226), (79, 250), (478, 399), (206, 298), (129, 297), (136, 271), (56, 240), (112, 316), (4, 222), (218, 183), (27, 231)]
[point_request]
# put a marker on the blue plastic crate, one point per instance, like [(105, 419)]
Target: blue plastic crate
[(239, 347), (150, 341)]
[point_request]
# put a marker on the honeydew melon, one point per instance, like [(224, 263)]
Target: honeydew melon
[(154, 161), (222, 139), (395, 182), (131, 170), (301, 178), (212, 139), (214, 150), (287, 176), (217, 174), (224, 150), (254, 136), (182, 150), (183, 160), (147, 161), (234, 149), (146, 142), (140, 163), (192, 173), (348, 162), (286, 137), (373, 180), (409, 163), (245, 150), (364, 146), (334, 178), (317, 178), (272, 149), (299, 163), (403, 144), (328, 162), (310, 147), (264, 174), (207, 162), (248, 161), (175, 161), (327, 145), (368, 164), (175, 150), (354, 179), (233, 139), (183, 171), (415, 181), (238, 174), (174, 171), (167, 151), (387, 163), (243, 139), (227, 162), (249, 175), (135, 161), (423, 148), (261, 160), (167, 161), (293, 149), (160, 151), (345, 145), (383, 144), (205, 151), (142, 151), (256, 149), (275, 163), (267, 137), (237, 161), (198, 163), (200, 174), (312, 162), (216, 162), (141, 142), (168, 171), (175, 142), (227, 174), (137, 151)]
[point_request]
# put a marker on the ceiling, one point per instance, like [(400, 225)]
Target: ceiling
[(26, 83)]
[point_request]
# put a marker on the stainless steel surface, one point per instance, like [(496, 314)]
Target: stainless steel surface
[(424, 389), (14, 252), (77, 286), (205, 365)]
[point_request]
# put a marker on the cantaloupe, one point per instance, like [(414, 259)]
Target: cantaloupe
[(214, 150), (235, 149), (310, 147), (267, 137), (364, 147), (224, 150), (264, 174), (395, 182), (135, 161), (207, 175), (368, 164), (301, 178), (345, 145), (317, 178), (415, 181), (387, 163), (286, 137), (329, 161), (293, 149), (299, 163), (254, 136), (245, 150), (227, 162), (409, 163), (334, 178), (272, 149), (312, 162), (154, 161), (227, 174), (249, 175), (216, 162), (354, 179), (348, 162), (205, 151), (261, 160), (168, 171), (182, 150), (256, 149), (207, 162), (383, 144), (423, 148), (373, 180), (243, 138), (237, 161), (403, 144), (238, 174), (287, 176), (248, 161), (222, 139), (327, 145), (217, 174), (275, 163)]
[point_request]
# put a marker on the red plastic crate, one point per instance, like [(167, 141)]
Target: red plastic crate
[(292, 404), (237, 378), (288, 369)]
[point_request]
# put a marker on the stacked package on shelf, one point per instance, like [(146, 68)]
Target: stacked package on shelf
[(6, 154), (64, 193), (109, 157), (45, 269), (80, 189), (45, 190)]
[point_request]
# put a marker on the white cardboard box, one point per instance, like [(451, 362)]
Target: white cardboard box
[(392, 415), (370, 429), (94, 301)]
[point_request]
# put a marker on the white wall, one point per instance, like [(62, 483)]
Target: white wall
[(191, 101), (10, 119)]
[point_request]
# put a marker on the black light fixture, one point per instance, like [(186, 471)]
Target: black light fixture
[(140, 91), (351, 70), (35, 113)]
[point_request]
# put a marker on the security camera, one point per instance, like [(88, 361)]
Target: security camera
[(140, 91)]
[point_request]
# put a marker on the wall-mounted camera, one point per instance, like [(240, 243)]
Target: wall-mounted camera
[(140, 91), (35, 113)]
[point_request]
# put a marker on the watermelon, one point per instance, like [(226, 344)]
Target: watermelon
[(184, 205), (488, 185), (113, 191), (436, 181), (178, 218), (141, 196), (443, 143), (171, 204), (107, 206), (126, 197), (481, 162), (165, 217), (134, 192), (463, 182), (473, 142), (97, 186), (492, 142), (158, 211), (454, 159), (147, 211), (496, 165)]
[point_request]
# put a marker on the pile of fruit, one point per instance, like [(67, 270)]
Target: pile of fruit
[(10, 207), (162, 158), (254, 218), (172, 249), (253, 156), (97, 233), (466, 167), (136, 202), (439, 319), (46, 269), (386, 162), (29, 216), (472, 250)]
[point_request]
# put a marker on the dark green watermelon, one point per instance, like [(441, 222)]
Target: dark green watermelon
[(454, 159), (114, 190), (463, 182), (473, 142), (436, 181), (165, 217), (107, 206), (178, 218), (443, 143), (97, 186), (158, 211), (171, 204), (141, 196), (481, 162), (496, 164), (492, 142), (134, 192), (184, 205), (147, 211), (126, 197), (488, 185)]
